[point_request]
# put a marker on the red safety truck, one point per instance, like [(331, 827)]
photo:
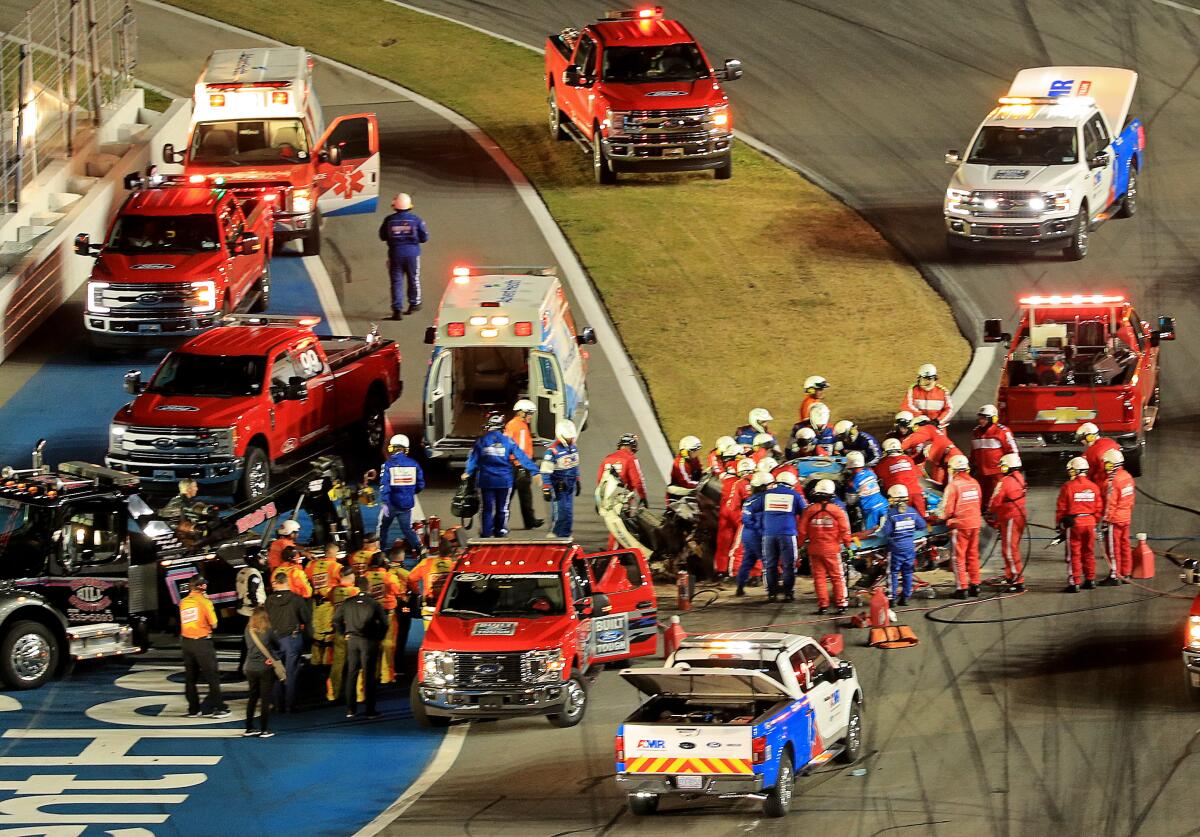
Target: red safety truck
[(637, 92), (239, 403), (524, 627), (175, 260), (1075, 359)]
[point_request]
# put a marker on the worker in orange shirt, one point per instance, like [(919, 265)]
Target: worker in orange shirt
[(962, 510), (386, 589), (717, 462), (814, 392), (518, 430), (324, 574), (928, 397), (293, 565), (288, 530), (197, 620), (1006, 512), (430, 575), (1077, 512), (361, 558), (729, 515), (738, 494), (1120, 493), (929, 445)]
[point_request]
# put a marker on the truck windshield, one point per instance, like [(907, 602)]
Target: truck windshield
[(482, 594), (136, 235), (648, 65), (209, 375), (249, 142), (1002, 146)]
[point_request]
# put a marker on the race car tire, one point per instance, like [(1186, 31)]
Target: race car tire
[(779, 798), (643, 804)]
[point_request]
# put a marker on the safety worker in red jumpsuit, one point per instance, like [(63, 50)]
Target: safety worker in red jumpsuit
[(764, 446), (1077, 512), (624, 464), (929, 446), (1094, 448), (1120, 493), (804, 443), (898, 468), (826, 528), (814, 393), (686, 470), (1006, 512), (962, 511), (716, 465), (928, 397), (989, 441), (901, 426), (734, 491)]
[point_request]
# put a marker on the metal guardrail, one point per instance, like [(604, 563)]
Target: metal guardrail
[(65, 61)]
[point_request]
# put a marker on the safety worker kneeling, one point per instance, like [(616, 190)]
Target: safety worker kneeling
[(826, 528), (782, 504), (491, 458), (1120, 492), (1094, 448), (752, 531), (962, 511), (686, 470), (560, 477), (1006, 512), (1077, 512), (899, 528)]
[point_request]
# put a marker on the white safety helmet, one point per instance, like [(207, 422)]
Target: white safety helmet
[(891, 445), (903, 418), (824, 487), (1077, 465), (958, 462), (806, 436), (761, 439), (731, 450), (927, 370), (855, 459), (691, 444), (1113, 458), (815, 382), (722, 443), (768, 464), (1086, 429), (758, 416), (402, 201), (988, 410), (786, 477), (843, 428), (524, 406), (761, 479), (898, 492), (565, 430), (398, 441), (746, 466), (1010, 461), (818, 416), (289, 527)]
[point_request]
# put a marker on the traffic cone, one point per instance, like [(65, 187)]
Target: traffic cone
[(672, 637), (1143, 558)]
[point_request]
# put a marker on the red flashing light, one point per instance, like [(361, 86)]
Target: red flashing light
[(1075, 299), (270, 197), (456, 329), (308, 322), (196, 178), (462, 271), (620, 747), (216, 100), (645, 13), (523, 329), (279, 97)]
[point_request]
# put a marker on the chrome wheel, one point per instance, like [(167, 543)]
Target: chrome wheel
[(785, 785), (375, 425), (1081, 235), (576, 699), (552, 103), (30, 658)]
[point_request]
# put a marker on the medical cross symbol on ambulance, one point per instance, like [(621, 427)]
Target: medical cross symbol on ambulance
[(346, 186)]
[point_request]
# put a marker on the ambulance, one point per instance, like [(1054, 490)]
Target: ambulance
[(501, 334), (257, 127)]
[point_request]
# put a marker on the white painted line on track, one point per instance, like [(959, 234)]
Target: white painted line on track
[(1179, 6), (479, 29), (326, 294), (981, 362), (442, 761)]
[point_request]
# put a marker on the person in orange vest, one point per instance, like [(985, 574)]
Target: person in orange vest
[(1120, 493), (1094, 448), (1077, 512), (361, 558), (729, 515), (1006, 512), (928, 397), (324, 574), (962, 511), (293, 565), (197, 620), (625, 466), (288, 530), (738, 493), (385, 589), (518, 430), (990, 440), (686, 470), (814, 393), (929, 445), (826, 527)]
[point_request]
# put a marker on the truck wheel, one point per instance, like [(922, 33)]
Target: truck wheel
[(310, 245), (779, 799), (373, 428), (853, 741), (1129, 202), (28, 655), (423, 718), (256, 474), (725, 170), (601, 166), (643, 804), (1078, 247), (263, 299), (575, 706), (557, 131)]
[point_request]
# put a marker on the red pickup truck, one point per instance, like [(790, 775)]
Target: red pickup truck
[(524, 627), (175, 260), (239, 402), (1075, 359), (638, 93)]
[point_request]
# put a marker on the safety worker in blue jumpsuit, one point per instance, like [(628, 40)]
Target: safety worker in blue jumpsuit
[(400, 481), (849, 438), (560, 477), (404, 232), (752, 532), (900, 527), (759, 419), (492, 458), (782, 504), (862, 491)]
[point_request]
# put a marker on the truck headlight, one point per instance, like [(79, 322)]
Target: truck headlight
[(438, 667), (545, 666), (224, 440), (302, 201), (958, 201), (116, 438), (204, 296), (1193, 632), (718, 117), (95, 298), (1056, 201)]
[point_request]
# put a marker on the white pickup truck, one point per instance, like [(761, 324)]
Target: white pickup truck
[(1057, 157), (739, 715)]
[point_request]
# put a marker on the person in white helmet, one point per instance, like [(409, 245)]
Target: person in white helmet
[(519, 431), (814, 393), (1120, 492), (900, 528), (752, 512), (764, 446), (782, 505), (902, 425), (989, 441), (733, 493), (1006, 512), (560, 477), (400, 481), (804, 443), (818, 423), (862, 491), (826, 528), (686, 470), (716, 461), (898, 468), (962, 511), (1094, 448), (759, 419), (404, 232), (1077, 512), (851, 438), (928, 397)]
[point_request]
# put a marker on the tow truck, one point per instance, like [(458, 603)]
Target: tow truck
[(241, 403), (257, 126), (176, 259), (638, 94), (1056, 158), (524, 628), (1079, 358), (739, 715)]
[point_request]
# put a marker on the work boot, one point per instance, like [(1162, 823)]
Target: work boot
[(973, 591), (1125, 580), (821, 611), (789, 597), (740, 591), (396, 315), (412, 309), (537, 523), (1089, 584), (1111, 581), (1071, 588), (900, 602), (841, 610), (1019, 587), (771, 597), (960, 594)]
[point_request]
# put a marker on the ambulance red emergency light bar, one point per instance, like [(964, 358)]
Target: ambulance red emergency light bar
[(1073, 300), (641, 13), (309, 321)]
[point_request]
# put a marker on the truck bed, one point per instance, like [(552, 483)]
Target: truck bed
[(342, 351), (674, 711), (559, 45)]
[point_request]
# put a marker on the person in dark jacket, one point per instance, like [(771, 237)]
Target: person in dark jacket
[(260, 672), (491, 460), (291, 621), (404, 232), (364, 623)]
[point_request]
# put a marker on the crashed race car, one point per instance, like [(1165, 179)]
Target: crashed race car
[(684, 536)]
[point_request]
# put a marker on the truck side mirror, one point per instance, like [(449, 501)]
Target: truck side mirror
[(331, 155), (992, 332), (844, 671), (586, 337), (732, 70), (1099, 161), (584, 607), (133, 382), (1166, 328), (83, 245), (953, 157), (134, 181), (430, 335), (246, 244), (170, 155), (573, 76), (295, 389)]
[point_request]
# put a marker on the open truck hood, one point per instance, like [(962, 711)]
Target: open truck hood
[(1111, 87), (717, 683)]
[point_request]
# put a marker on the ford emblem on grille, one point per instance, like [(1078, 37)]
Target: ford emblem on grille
[(665, 93), (164, 444), (149, 299), (487, 668), (153, 267)]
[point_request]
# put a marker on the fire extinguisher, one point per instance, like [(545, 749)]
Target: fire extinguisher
[(433, 526), (1143, 558), (879, 609), (683, 588)]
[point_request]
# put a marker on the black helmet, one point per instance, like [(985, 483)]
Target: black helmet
[(629, 440), (494, 421)]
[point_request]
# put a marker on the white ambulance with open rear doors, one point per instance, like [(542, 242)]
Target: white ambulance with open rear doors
[(501, 334)]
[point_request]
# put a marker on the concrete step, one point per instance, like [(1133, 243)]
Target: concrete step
[(133, 132), (80, 184), (31, 233), (11, 253), (117, 149), (99, 165), (47, 219), (62, 201)]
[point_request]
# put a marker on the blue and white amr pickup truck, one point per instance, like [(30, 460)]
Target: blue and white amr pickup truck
[(739, 715), (1057, 157)]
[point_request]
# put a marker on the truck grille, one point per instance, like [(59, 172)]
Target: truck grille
[(139, 300), (1008, 204), (473, 670), (171, 444)]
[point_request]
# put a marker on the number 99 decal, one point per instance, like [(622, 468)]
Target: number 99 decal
[(310, 363)]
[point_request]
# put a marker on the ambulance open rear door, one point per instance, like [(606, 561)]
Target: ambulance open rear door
[(439, 400), (349, 183), (546, 392)]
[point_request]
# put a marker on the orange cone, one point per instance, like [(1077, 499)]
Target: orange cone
[(672, 637)]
